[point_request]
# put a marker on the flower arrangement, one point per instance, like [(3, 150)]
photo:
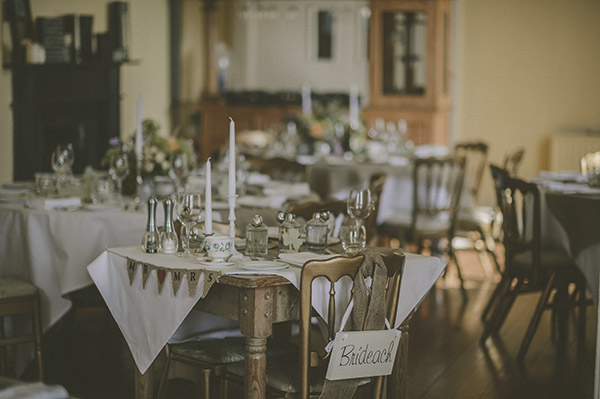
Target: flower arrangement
[(157, 150), (328, 124)]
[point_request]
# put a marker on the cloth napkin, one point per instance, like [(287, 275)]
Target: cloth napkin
[(54, 203), (36, 390), (300, 258), (276, 201)]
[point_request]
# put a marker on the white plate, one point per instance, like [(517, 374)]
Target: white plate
[(102, 208), (205, 261), (263, 265)]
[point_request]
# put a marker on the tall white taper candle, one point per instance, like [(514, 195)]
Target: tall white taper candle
[(208, 200)]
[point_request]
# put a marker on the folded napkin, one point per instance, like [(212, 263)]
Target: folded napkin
[(300, 258), (54, 203), (36, 390), (430, 150), (572, 188)]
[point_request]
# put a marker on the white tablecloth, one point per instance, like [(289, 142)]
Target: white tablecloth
[(148, 319), (52, 248)]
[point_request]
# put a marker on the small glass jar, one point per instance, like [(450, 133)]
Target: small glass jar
[(289, 233), (257, 237), (316, 233)]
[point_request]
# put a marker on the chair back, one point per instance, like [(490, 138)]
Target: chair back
[(306, 209), (279, 168), (475, 154), (376, 186), (333, 270), (520, 206), (512, 161), (437, 188)]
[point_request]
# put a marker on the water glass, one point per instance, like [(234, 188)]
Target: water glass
[(353, 238), (45, 184)]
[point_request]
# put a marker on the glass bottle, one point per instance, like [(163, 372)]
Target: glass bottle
[(316, 233), (168, 238), (150, 240), (289, 233), (257, 237)]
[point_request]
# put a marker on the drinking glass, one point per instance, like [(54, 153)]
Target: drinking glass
[(353, 238), (62, 160), (359, 205), (188, 210), (119, 170), (179, 171)]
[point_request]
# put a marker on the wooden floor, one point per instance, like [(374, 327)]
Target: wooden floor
[(445, 357)]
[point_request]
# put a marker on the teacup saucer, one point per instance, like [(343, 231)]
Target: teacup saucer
[(206, 261)]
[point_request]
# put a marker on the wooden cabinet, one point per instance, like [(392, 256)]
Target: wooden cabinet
[(409, 66), (60, 103)]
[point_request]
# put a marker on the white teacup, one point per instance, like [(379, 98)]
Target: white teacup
[(218, 247)]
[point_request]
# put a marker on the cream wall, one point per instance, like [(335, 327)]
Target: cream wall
[(526, 70), (149, 77)]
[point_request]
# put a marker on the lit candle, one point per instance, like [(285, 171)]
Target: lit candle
[(208, 201), (354, 108), (139, 140), (231, 157), (306, 100)]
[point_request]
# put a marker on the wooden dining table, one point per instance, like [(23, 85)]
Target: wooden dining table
[(258, 301)]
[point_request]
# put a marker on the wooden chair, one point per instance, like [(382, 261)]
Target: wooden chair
[(304, 378), (474, 223), (18, 297), (437, 187), (529, 267), (512, 161), (279, 168)]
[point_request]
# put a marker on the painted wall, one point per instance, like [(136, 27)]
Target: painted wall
[(527, 70), (148, 77)]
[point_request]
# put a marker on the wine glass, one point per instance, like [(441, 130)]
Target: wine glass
[(119, 170), (359, 205), (62, 160), (188, 209), (179, 171)]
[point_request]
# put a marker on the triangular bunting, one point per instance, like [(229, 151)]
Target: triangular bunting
[(209, 279), (146, 269), (176, 278), (192, 278), (161, 274), (131, 268)]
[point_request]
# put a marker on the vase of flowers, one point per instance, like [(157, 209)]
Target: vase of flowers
[(157, 154)]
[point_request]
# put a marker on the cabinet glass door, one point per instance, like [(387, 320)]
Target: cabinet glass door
[(404, 53)]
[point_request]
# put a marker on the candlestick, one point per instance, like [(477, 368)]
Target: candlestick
[(354, 108), (139, 140), (208, 200)]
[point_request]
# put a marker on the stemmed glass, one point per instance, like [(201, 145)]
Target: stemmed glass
[(359, 205), (62, 160), (179, 171), (188, 209), (119, 170)]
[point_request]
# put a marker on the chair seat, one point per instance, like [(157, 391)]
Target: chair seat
[(550, 259), (13, 288), (225, 350), (283, 374), (400, 224)]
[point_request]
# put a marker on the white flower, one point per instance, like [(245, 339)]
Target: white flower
[(160, 157), (149, 167), (165, 165)]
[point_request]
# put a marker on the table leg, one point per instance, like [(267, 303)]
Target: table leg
[(144, 383), (256, 323)]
